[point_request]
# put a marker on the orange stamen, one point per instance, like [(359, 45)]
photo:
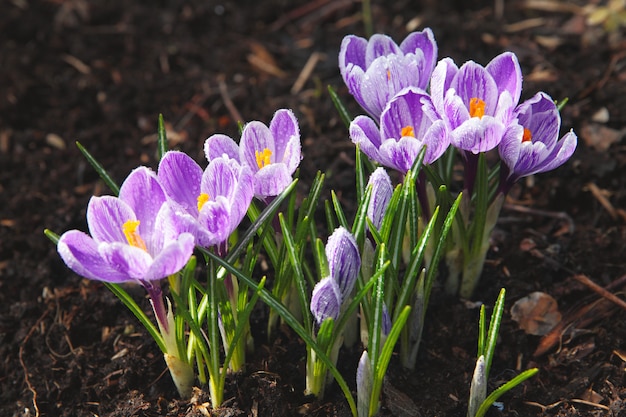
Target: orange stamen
[(263, 157), (202, 199), (527, 136), (477, 107), (407, 131), (132, 236)]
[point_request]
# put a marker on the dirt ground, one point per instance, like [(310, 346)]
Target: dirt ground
[(100, 72)]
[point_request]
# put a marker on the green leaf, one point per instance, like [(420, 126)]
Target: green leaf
[(494, 327), (99, 169), (292, 322), (343, 112), (161, 138)]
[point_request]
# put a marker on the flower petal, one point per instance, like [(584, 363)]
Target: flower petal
[(351, 54), (172, 258), (325, 300), (256, 137), (441, 80), (80, 253), (105, 216), (214, 218), (381, 195), (344, 260), (364, 131), (473, 81), (507, 74), (380, 45), (401, 154), (180, 177), (271, 180), (128, 260), (284, 126), (219, 145), (478, 135), (422, 43), (144, 194), (220, 178)]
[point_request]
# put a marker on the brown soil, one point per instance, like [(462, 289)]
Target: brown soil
[(101, 72)]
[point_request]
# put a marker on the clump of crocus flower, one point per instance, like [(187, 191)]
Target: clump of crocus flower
[(419, 113)]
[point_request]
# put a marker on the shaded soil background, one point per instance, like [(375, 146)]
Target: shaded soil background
[(100, 72)]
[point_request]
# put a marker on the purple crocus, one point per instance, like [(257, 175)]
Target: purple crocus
[(382, 191), (134, 237), (210, 204), (408, 122), (477, 102), (376, 70), (344, 263), (272, 153), (531, 145)]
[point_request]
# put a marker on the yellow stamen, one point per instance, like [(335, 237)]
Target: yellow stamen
[(407, 131), (528, 136), (202, 199), (388, 75), (263, 157), (132, 236), (477, 107)]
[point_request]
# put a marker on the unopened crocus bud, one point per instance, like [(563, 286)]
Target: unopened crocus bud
[(364, 382), (326, 300), (344, 260), (381, 194)]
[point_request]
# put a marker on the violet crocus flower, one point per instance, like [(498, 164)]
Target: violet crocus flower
[(477, 102), (210, 203), (134, 237), (408, 122), (376, 70), (382, 191), (531, 145), (272, 153), (344, 263)]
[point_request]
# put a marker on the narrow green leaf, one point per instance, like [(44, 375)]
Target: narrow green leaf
[(99, 169), (161, 138), (292, 322), (494, 328), (343, 112)]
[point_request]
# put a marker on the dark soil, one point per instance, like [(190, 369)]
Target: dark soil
[(100, 72)]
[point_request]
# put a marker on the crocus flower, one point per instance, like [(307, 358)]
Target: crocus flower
[(376, 70), (531, 145), (326, 300), (408, 122), (134, 237), (344, 263), (477, 102), (210, 204), (272, 153), (381, 195)]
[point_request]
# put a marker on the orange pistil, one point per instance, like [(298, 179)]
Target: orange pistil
[(388, 75), (407, 131), (477, 107), (132, 236), (202, 199), (527, 136), (263, 157)]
